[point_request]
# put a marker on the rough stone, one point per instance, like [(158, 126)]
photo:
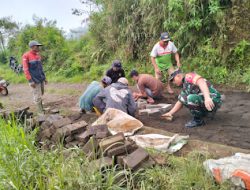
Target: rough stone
[(165, 107), (72, 144), (91, 148), (154, 111), (112, 141), (61, 122), (133, 160), (84, 136), (69, 138), (61, 133), (100, 131), (153, 106), (127, 148), (101, 163), (119, 160), (40, 119), (78, 127), (54, 117), (143, 112)]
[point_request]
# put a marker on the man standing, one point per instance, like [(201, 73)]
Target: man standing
[(116, 71), (33, 70), (117, 96), (161, 58), (197, 94), (149, 87)]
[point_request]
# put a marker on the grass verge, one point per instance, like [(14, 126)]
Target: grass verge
[(24, 166)]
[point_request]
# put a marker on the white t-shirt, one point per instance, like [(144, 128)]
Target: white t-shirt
[(158, 50)]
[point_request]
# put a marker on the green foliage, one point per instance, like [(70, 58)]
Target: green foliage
[(181, 173), (54, 52), (7, 74), (198, 28), (210, 36)]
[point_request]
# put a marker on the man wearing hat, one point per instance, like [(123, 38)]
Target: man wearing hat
[(197, 94), (161, 58), (33, 70), (117, 96), (116, 71), (86, 100)]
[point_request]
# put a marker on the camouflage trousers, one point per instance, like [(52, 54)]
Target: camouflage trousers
[(195, 103)]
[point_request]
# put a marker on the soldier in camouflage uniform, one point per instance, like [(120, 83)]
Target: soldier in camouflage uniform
[(198, 95)]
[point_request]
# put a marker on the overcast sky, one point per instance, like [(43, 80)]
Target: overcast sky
[(59, 10)]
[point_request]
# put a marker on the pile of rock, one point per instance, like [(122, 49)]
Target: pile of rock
[(152, 109), (20, 114), (95, 141)]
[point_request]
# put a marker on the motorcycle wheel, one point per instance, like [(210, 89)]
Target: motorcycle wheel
[(4, 91)]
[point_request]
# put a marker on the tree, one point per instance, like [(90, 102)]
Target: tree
[(7, 29)]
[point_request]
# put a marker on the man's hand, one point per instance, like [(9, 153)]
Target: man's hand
[(167, 116), (136, 96), (158, 71), (45, 82), (178, 64), (209, 104), (32, 84), (150, 100)]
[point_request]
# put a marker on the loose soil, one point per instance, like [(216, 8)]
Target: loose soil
[(231, 125)]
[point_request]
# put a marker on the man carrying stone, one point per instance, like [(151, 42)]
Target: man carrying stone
[(149, 87), (197, 94)]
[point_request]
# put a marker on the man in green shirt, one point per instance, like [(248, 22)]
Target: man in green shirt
[(161, 59)]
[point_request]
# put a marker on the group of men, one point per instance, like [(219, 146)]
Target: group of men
[(197, 94)]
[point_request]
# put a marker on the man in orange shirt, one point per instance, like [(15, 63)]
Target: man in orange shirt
[(33, 70)]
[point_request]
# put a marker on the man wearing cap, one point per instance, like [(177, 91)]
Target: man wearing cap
[(116, 71), (117, 96), (33, 70), (86, 100), (149, 87), (161, 58), (197, 94)]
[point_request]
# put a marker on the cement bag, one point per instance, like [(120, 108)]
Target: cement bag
[(161, 142), (118, 121), (235, 168)]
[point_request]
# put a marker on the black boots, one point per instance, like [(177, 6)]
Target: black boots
[(196, 122)]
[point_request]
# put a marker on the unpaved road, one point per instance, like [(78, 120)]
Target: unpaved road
[(231, 125)]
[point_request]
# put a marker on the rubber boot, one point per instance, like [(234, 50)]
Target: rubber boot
[(196, 122), (40, 109)]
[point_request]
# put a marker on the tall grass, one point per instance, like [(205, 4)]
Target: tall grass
[(24, 166)]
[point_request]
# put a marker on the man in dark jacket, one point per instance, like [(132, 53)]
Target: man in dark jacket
[(117, 96), (33, 70), (116, 71)]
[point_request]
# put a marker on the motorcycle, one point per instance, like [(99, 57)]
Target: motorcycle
[(3, 87)]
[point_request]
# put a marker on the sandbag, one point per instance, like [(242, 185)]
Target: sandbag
[(234, 168), (118, 121), (161, 142)]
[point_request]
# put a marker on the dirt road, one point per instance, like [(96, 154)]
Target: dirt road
[(231, 125)]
